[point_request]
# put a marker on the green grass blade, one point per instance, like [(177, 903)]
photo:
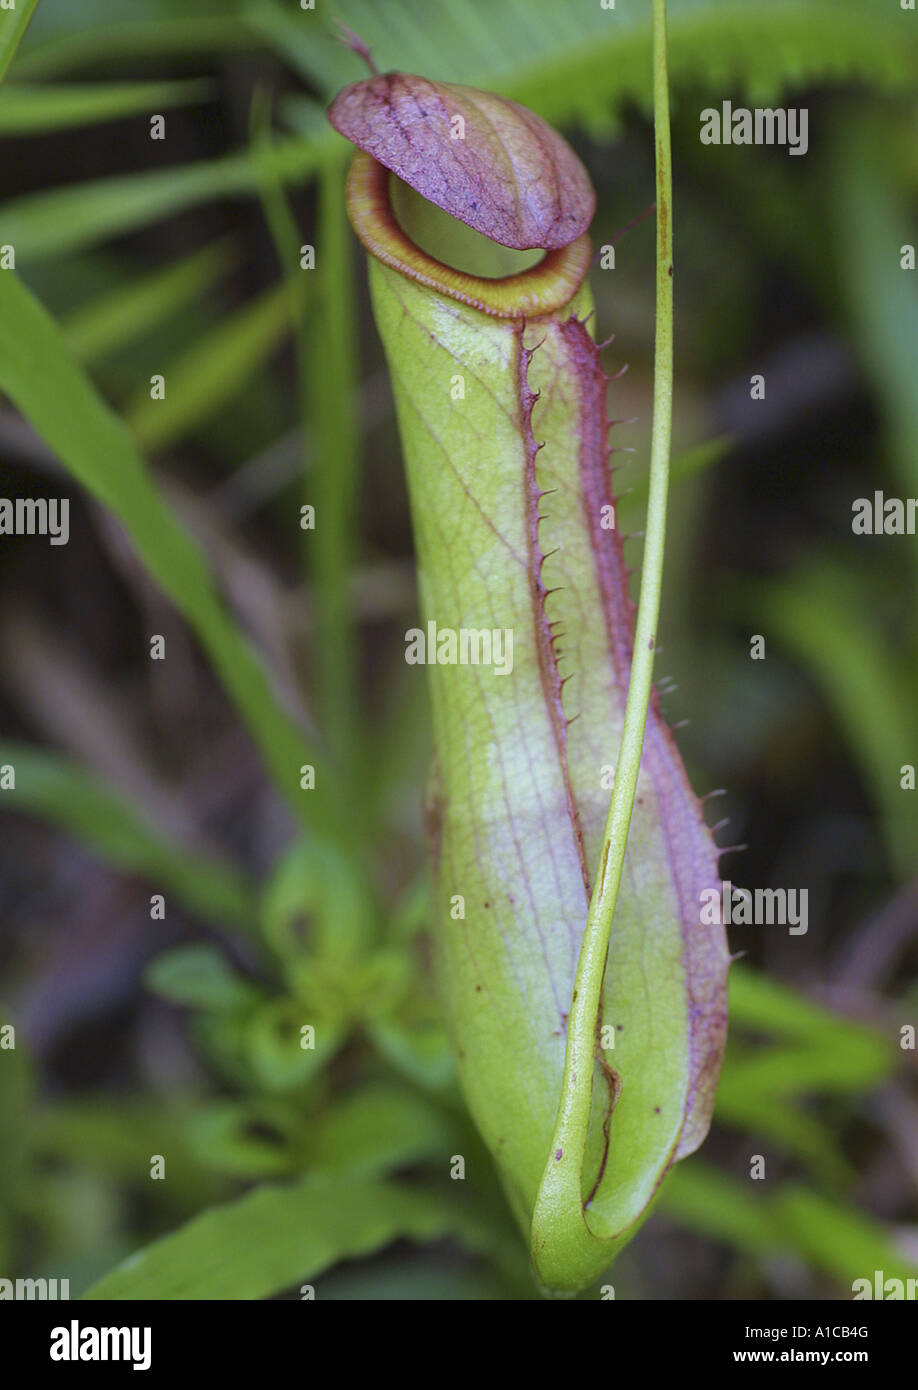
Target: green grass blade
[(689, 464), (328, 373), (108, 324), (843, 1069), (821, 615), (97, 450), (13, 24), (305, 41), (833, 1238), (765, 1005), (62, 220), (876, 220), (59, 792), (330, 350), (763, 1088), (209, 372), (34, 110), (81, 40), (840, 1240), (707, 1200), (774, 1118)]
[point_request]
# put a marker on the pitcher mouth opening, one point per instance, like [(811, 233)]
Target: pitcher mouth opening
[(544, 288)]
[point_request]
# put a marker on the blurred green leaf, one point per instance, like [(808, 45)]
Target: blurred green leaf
[(345, 992), (687, 465), (275, 1237), (13, 24), (831, 1237), (130, 311), (201, 978), (411, 913), (17, 1096), (328, 378), (33, 110), (63, 220), (761, 1088), (66, 37), (331, 372), (381, 1127), (62, 793), (838, 1239), (787, 1071), (766, 1005), (769, 1115), (213, 369), (823, 614), (313, 902), (417, 1047), (246, 1139), (274, 1044), (705, 1199), (93, 443), (114, 1136), (874, 220)]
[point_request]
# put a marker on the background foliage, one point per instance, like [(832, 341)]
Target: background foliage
[(133, 777)]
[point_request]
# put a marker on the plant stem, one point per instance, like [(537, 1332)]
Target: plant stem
[(605, 890), (562, 1179)]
